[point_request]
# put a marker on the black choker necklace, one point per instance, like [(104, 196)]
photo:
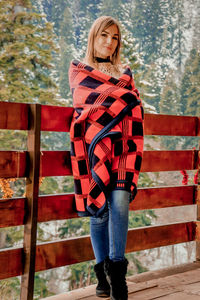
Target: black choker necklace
[(101, 60)]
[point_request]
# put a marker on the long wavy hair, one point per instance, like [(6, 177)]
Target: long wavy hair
[(99, 25)]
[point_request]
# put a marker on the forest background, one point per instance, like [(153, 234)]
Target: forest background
[(161, 43)]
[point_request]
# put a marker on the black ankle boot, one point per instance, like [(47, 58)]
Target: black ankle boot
[(103, 287), (116, 274)]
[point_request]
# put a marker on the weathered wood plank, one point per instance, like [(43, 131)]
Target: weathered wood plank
[(198, 210), (171, 125), (53, 118), (58, 163), (32, 190), (50, 207), (155, 161), (176, 296), (10, 262), (171, 283), (13, 116), (160, 197), (157, 236), (59, 207), (165, 272), (13, 164), (56, 118), (55, 163), (151, 293), (66, 252), (56, 207), (12, 212)]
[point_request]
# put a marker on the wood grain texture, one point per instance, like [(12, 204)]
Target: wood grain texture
[(157, 236), (160, 197), (13, 164), (55, 163), (157, 161), (58, 163), (177, 283), (59, 207), (56, 207), (198, 210), (13, 116), (32, 191), (11, 262), (12, 212), (171, 125), (56, 118), (75, 250)]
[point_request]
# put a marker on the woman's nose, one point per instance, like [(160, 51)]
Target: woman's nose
[(109, 40)]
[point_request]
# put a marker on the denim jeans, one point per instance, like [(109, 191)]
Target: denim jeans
[(109, 232)]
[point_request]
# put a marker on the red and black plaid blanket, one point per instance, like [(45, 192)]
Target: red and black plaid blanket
[(106, 136)]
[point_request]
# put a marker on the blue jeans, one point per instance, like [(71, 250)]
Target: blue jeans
[(109, 232)]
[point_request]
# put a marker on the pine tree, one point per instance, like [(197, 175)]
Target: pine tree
[(170, 104), (110, 8), (178, 49), (149, 31), (170, 98), (26, 48), (195, 24), (27, 51), (129, 53), (190, 91), (148, 27), (68, 51)]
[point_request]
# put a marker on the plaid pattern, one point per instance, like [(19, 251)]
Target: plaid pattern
[(106, 136)]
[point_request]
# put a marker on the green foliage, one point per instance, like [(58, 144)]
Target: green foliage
[(179, 45), (13, 140), (54, 141), (11, 236), (81, 275), (129, 51), (26, 53), (145, 180), (40, 287), (49, 186), (148, 27), (74, 227), (141, 218), (190, 91), (10, 289), (67, 45), (68, 184), (170, 98), (139, 268), (110, 8), (152, 90)]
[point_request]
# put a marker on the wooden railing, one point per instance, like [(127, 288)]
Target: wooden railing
[(34, 208)]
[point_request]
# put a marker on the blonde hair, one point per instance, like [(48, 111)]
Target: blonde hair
[(97, 27)]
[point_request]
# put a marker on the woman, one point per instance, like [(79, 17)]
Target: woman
[(106, 150)]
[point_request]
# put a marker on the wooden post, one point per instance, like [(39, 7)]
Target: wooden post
[(32, 189), (198, 202)]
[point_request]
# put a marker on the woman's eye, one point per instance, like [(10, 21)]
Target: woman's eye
[(115, 38), (104, 34)]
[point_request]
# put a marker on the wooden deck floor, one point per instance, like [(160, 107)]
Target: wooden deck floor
[(180, 282)]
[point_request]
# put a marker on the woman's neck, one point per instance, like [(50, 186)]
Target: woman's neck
[(101, 59)]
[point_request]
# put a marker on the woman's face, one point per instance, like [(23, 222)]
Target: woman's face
[(106, 42)]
